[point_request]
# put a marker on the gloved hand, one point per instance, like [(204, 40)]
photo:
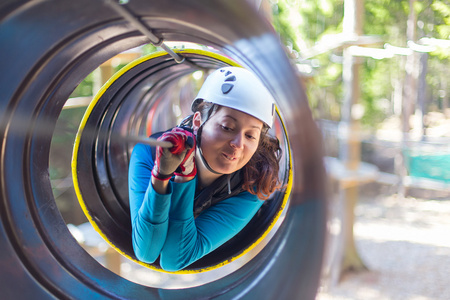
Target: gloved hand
[(187, 167), (168, 160)]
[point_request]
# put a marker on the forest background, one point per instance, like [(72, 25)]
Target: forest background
[(304, 24)]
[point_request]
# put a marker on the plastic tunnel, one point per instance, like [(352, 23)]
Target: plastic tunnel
[(49, 47), (140, 100)]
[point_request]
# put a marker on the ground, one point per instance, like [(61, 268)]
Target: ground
[(405, 243)]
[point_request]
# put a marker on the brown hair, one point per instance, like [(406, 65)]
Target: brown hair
[(261, 172)]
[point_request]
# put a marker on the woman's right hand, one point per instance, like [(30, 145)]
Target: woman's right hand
[(169, 159)]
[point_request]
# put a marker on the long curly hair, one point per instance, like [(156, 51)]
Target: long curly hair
[(261, 173)]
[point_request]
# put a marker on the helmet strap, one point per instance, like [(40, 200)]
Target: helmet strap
[(199, 141), (206, 163)]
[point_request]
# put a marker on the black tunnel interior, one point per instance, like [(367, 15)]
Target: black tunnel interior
[(51, 46), (140, 100)]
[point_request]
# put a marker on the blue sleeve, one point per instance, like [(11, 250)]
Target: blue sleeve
[(189, 239), (149, 210), (164, 225)]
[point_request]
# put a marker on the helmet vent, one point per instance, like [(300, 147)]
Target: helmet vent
[(227, 87), (231, 78)]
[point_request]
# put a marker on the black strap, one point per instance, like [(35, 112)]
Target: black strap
[(217, 192)]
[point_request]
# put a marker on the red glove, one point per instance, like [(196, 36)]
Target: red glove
[(169, 160), (187, 167)]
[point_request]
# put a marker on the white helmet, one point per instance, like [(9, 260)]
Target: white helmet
[(239, 89)]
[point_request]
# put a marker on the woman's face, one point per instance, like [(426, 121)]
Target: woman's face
[(229, 139)]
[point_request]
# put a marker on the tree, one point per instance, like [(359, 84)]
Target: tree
[(302, 24)]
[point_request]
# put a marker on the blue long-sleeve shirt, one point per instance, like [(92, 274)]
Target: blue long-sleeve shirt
[(164, 225)]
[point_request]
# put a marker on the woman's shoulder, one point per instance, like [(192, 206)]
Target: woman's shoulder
[(248, 196), (242, 206), (243, 199)]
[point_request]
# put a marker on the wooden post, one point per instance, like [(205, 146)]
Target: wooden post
[(350, 150)]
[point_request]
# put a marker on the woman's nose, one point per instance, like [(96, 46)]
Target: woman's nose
[(237, 141)]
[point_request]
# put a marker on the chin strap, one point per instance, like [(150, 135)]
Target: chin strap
[(185, 123), (205, 162), (212, 171), (199, 143)]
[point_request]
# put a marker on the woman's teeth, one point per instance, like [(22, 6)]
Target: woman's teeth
[(229, 157)]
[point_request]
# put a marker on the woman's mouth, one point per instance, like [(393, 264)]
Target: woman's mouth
[(229, 157)]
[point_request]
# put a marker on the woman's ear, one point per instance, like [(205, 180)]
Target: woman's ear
[(196, 121)]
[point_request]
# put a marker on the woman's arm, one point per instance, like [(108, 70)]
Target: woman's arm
[(149, 210)]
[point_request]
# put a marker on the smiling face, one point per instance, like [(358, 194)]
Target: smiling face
[(229, 139)]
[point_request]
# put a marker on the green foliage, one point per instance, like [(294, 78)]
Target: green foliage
[(376, 82), (301, 24), (442, 15), (148, 49), (386, 19), (64, 135), (84, 89), (282, 26)]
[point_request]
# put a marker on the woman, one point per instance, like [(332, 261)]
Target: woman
[(187, 200)]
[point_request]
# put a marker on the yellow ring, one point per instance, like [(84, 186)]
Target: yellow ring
[(77, 145)]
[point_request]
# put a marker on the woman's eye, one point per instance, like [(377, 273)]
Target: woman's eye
[(251, 137), (226, 128)]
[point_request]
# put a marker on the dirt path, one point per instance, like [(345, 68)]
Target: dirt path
[(406, 245)]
